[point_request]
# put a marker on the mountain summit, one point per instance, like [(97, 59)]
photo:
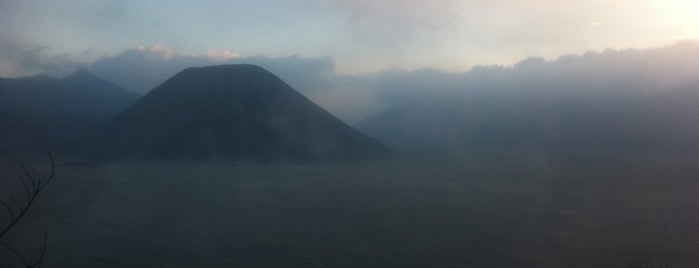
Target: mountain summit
[(237, 112)]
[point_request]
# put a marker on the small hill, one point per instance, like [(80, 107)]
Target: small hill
[(39, 111), (237, 112)]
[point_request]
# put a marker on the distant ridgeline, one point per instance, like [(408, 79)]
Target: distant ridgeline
[(39, 111), (547, 120), (232, 112), (245, 113), (615, 101)]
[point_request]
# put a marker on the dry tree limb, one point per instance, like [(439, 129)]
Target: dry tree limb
[(32, 186)]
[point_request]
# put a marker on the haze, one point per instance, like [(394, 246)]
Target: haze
[(349, 133), (360, 36)]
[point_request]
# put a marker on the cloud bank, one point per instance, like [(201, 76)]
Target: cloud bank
[(141, 69), (605, 74), (19, 57)]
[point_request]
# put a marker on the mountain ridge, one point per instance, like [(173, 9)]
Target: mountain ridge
[(39, 111), (664, 122)]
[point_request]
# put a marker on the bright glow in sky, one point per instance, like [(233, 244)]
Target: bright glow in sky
[(359, 35), (683, 14)]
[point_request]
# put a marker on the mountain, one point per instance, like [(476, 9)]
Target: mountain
[(664, 122), (236, 112), (38, 111)]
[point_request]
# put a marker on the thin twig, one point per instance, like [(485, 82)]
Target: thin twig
[(42, 252), (37, 184), (15, 252), (35, 192), (25, 186), (14, 201), (9, 209), (29, 176)]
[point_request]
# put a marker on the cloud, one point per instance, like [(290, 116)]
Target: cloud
[(608, 100), (397, 16), (114, 8), (604, 74), (158, 52), (304, 74), (610, 74), (9, 45), (221, 55), (143, 68), (19, 57)]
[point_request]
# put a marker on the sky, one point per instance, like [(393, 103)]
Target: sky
[(358, 36)]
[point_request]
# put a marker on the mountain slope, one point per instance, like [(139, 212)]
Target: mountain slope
[(238, 112), (662, 122), (38, 111)]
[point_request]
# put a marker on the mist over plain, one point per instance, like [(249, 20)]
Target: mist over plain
[(583, 160)]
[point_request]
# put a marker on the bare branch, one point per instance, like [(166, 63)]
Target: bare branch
[(14, 201), (32, 188), (50, 176), (25, 186), (12, 212), (37, 189), (29, 176), (15, 252), (42, 252)]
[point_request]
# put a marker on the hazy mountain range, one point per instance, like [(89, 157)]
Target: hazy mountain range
[(610, 101), (38, 111), (490, 122), (235, 112), (353, 97), (613, 101)]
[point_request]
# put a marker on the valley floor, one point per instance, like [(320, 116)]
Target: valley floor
[(531, 211)]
